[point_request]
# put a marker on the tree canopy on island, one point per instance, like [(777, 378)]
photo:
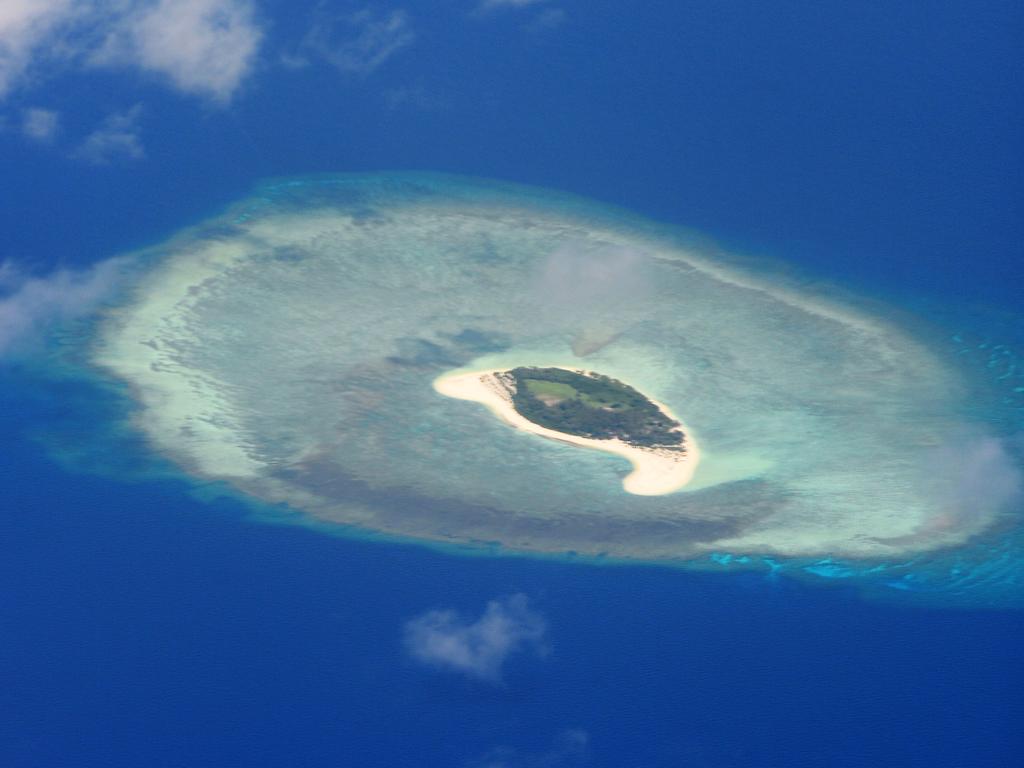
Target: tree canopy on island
[(591, 405)]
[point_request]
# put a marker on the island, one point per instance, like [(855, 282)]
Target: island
[(588, 410)]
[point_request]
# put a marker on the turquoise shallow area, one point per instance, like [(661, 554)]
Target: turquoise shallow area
[(190, 583), (285, 351), (988, 571)]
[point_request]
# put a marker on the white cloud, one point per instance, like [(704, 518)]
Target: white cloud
[(358, 43), (118, 136), (9, 276), (550, 18), (479, 649), (579, 277), (415, 96), (203, 47), (571, 748), (547, 18), (200, 47), (973, 477), (28, 305), (24, 26), (39, 124), (490, 5)]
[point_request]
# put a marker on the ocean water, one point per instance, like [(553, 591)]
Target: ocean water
[(143, 625), (146, 619)]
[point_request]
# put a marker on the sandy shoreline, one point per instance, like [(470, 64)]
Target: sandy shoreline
[(655, 471)]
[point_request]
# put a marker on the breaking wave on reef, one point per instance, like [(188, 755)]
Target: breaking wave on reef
[(288, 349)]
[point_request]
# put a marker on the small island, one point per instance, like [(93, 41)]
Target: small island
[(590, 405), (588, 410)]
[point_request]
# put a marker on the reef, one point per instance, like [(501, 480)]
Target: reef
[(286, 348)]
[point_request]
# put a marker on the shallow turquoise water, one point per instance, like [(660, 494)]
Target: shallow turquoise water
[(297, 368)]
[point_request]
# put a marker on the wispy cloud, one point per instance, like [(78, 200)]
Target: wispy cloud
[(492, 5), (24, 26), (585, 274), (571, 748), (546, 18), (118, 136), (581, 287), (357, 43), (974, 477), (413, 96), (29, 305), (550, 18), (447, 640), (39, 124), (200, 47)]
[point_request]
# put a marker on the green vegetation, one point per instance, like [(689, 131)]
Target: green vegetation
[(591, 405)]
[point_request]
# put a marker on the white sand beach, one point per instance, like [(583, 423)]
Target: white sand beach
[(656, 471)]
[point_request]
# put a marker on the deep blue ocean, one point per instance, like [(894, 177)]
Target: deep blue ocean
[(875, 145), (141, 626)]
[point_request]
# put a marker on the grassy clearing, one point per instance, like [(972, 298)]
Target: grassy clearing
[(554, 390)]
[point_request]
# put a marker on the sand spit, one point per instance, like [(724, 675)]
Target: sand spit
[(656, 471)]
